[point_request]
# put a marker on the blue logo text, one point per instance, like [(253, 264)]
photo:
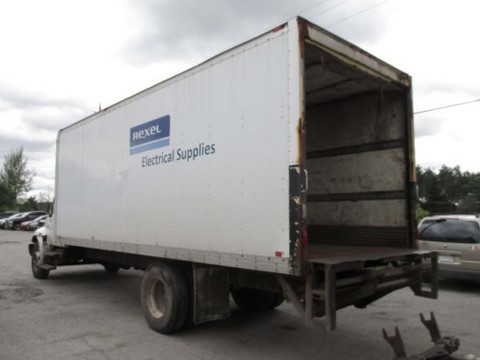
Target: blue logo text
[(150, 135)]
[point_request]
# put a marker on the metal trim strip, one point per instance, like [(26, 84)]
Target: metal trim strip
[(358, 196), (249, 262), (353, 55), (357, 149)]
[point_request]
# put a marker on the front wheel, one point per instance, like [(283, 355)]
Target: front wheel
[(165, 297), (38, 272)]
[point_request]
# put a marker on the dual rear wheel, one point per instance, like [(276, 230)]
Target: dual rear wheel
[(165, 294), (165, 297), (254, 300), (166, 301)]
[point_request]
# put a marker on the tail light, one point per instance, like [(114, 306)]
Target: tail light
[(304, 236)]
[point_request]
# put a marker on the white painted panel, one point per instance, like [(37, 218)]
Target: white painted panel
[(234, 200), (296, 81)]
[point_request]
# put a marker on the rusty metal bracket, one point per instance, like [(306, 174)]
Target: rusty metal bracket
[(442, 348), (432, 327), (396, 343), (290, 294), (417, 288)]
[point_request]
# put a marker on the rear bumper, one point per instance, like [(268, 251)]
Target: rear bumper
[(460, 274), (339, 276)]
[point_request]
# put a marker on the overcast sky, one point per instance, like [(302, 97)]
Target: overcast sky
[(60, 59)]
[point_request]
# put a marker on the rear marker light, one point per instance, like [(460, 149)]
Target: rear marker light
[(304, 236)]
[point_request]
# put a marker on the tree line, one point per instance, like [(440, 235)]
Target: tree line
[(448, 190), (15, 182)]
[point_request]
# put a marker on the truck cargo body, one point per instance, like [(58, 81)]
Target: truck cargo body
[(287, 160)]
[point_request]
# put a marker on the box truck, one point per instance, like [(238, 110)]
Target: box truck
[(282, 168)]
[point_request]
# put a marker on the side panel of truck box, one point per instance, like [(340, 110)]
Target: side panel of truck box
[(195, 168)]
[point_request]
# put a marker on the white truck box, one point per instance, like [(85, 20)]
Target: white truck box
[(280, 162)]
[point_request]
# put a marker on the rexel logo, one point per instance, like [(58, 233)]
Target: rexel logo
[(150, 135)]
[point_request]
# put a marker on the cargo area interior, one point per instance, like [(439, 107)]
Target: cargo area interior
[(356, 155)]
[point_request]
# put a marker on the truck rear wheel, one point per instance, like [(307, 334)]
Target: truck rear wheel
[(37, 271), (111, 268), (165, 297), (254, 300)]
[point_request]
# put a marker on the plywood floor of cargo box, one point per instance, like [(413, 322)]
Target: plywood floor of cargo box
[(336, 254)]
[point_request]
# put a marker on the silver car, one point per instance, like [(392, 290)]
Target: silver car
[(457, 240), (3, 221)]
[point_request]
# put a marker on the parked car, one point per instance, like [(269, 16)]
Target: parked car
[(14, 223), (457, 240), (3, 222), (33, 224), (38, 222), (6, 214), (24, 225)]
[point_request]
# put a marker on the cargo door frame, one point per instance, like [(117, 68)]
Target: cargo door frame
[(368, 64)]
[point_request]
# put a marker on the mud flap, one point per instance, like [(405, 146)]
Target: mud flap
[(211, 293)]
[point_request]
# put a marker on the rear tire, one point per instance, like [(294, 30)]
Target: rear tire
[(111, 268), (38, 272), (165, 297), (254, 300)]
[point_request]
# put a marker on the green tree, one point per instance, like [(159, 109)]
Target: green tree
[(15, 175), (449, 190), (432, 196), (469, 204), (474, 189), (453, 183), (421, 213), (7, 199), (29, 204), (45, 200)]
